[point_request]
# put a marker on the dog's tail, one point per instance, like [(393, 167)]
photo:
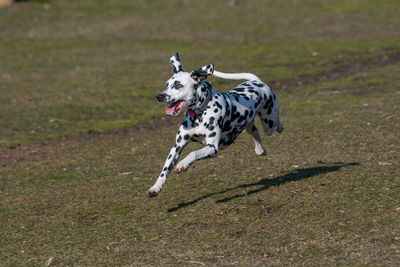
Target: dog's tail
[(237, 76)]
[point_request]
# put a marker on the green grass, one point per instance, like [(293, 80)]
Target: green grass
[(77, 67), (326, 193)]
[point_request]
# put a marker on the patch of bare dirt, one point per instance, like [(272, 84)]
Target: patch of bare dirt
[(387, 58), (13, 155)]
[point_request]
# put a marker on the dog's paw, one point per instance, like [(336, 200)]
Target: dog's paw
[(181, 167), (261, 152), (280, 127), (151, 193)]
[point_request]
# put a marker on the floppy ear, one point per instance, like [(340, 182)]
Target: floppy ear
[(203, 72), (176, 63)]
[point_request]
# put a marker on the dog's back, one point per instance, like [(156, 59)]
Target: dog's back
[(254, 95)]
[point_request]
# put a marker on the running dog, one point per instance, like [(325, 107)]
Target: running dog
[(214, 119)]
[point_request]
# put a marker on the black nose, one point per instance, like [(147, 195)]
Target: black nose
[(160, 97)]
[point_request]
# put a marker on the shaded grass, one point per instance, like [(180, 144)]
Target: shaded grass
[(266, 183)]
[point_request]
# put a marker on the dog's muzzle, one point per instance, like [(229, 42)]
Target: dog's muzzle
[(161, 97)]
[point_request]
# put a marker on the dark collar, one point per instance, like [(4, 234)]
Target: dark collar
[(199, 110)]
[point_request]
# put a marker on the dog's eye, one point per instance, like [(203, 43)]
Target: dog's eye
[(178, 86)]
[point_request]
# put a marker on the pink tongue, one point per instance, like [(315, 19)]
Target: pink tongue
[(174, 108)]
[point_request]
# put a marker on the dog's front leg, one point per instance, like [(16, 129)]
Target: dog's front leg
[(209, 151), (169, 164)]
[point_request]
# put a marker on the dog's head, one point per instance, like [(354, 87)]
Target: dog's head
[(181, 88)]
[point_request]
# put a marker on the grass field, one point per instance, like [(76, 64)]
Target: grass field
[(82, 137)]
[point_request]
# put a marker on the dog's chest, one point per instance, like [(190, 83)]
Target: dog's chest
[(199, 138)]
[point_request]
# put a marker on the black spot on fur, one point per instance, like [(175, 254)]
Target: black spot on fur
[(226, 127), (186, 137), (259, 84), (212, 134), (239, 89), (266, 104), (271, 124), (179, 139), (269, 104), (219, 122), (235, 114), (212, 119)]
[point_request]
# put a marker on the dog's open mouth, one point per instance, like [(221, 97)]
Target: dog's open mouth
[(175, 107)]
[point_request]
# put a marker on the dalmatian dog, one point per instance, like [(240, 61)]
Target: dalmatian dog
[(214, 119)]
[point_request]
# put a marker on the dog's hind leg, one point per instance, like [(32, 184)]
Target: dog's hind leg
[(269, 115), (280, 126), (253, 131)]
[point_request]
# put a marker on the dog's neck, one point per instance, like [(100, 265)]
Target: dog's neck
[(204, 94)]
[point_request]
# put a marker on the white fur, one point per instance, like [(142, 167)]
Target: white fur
[(215, 119), (236, 76)]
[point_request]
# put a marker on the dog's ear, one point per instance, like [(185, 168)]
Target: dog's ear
[(176, 63), (202, 73)]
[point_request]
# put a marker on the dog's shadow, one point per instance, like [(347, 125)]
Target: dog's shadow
[(265, 183)]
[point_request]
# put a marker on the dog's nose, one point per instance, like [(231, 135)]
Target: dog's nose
[(160, 97)]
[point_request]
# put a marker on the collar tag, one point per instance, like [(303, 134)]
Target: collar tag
[(191, 113)]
